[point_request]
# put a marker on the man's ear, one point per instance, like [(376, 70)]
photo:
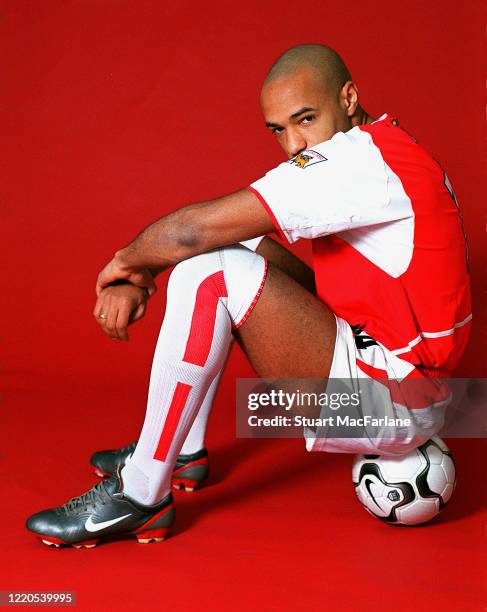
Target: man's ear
[(349, 98)]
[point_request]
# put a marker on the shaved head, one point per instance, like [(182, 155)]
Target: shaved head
[(324, 62), (308, 96)]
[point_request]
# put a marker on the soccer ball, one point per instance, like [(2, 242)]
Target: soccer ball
[(409, 489)]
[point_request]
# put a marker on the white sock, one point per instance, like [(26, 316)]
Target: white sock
[(196, 437), (195, 440), (207, 295)]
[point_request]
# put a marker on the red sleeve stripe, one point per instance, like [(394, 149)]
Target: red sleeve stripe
[(270, 213)]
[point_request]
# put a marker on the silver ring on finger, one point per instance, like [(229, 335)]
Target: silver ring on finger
[(102, 315)]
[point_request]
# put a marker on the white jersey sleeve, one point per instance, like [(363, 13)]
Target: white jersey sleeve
[(340, 184)]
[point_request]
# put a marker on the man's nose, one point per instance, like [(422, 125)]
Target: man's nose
[(295, 143)]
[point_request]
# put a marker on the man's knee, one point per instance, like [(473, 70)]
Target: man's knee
[(234, 258), (234, 274)]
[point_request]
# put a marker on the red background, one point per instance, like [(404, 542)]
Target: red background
[(116, 112)]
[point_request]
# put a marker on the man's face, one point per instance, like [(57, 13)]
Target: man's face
[(300, 113)]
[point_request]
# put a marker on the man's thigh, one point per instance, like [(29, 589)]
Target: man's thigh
[(288, 263), (290, 333)]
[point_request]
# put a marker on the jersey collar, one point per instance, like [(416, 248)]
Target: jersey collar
[(386, 118)]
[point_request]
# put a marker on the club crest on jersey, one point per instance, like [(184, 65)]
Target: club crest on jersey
[(307, 158)]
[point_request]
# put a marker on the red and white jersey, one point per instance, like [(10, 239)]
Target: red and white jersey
[(389, 249)]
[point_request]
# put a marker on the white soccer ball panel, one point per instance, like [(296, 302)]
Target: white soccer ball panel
[(403, 468), (358, 461), (441, 444), (449, 468), (448, 492), (418, 511), (437, 479), (435, 454)]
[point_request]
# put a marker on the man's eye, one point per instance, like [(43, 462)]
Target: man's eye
[(276, 130), (307, 119)]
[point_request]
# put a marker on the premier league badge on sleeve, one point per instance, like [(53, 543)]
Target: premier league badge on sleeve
[(307, 158)]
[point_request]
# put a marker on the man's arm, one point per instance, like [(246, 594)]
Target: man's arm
[(189, 231)]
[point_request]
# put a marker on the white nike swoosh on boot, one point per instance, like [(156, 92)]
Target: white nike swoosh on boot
[(91, 526)]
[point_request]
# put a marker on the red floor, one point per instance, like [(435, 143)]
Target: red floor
[(276, 528)]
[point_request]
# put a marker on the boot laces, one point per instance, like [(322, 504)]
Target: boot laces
[(91, 498)]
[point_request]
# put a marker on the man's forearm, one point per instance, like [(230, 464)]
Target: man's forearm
[(196, 229), (165, 242)]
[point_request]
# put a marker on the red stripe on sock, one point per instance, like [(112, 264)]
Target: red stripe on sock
[(202, 328), (176, 408)]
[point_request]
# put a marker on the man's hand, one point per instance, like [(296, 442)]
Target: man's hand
[(116, 270), (120, 305)]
